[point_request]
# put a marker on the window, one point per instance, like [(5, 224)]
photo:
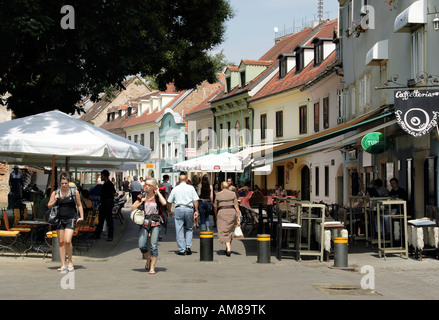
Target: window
[(242, 73), (318, 53), (316, 117), (302, 120), (210, 137), (142, 139), (199, 140), (151, 140), (417, 52), (341, 105), (229, 138), (364, 93), (353, 101), (279, 124), (263, 125), (325, 113), (163, 151), (247, 130), (282, 67), (169, 149), (221, 137), (299, 60), (136, 137), (317, 174), (228, 84), (238, 141), (326, 181), (192, 139)]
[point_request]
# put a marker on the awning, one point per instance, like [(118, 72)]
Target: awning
[(379, 52), (412, 16), (287, 148)]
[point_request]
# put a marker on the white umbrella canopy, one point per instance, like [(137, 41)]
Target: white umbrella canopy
[(225, 162), (36, 139)]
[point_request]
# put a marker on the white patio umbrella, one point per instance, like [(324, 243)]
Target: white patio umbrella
[(58, 139), (225, 162)]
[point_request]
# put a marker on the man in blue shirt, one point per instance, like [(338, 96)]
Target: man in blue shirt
[(185, 199)]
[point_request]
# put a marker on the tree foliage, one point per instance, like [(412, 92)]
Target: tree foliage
[(44, 66)]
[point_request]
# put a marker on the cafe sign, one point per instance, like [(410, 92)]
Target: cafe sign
[(375, 142), (417, 111)]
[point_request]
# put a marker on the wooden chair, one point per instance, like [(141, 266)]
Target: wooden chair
[(283, 211), (17, 226), (8, 238), (248, 218)]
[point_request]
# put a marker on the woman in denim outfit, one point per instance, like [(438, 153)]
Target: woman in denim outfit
[(152, 201), (205, 193)]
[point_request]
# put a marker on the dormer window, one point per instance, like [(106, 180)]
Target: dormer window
[(318, 53), (129, 111), (228, 84), (282, 68), (300, 60), (242, 74), (287, 62)]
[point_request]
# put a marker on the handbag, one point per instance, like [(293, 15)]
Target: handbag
[(238, 232), (51, 216), (138, 216)]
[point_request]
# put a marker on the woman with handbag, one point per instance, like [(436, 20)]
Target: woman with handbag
[(68, 200), (205, 193), (227, 214), (152, 203)]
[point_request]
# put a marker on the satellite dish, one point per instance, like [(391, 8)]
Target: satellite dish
[(276, 29)]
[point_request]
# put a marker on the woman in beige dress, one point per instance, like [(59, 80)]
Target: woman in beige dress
[(227, 214)]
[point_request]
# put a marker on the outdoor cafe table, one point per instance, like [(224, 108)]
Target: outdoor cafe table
[(34, 224)]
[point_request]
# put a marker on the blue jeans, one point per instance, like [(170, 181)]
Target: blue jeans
[(154, 240), (184, 221), (204, 208)]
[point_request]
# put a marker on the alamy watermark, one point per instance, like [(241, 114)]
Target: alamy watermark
[(368, 280), (68, 21)]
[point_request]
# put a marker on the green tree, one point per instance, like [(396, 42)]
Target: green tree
[(46, 66)]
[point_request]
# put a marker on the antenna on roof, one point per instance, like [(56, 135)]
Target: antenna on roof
[(320, 10)]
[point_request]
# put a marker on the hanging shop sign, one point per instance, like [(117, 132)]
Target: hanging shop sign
[(375, 142), (417, 111)]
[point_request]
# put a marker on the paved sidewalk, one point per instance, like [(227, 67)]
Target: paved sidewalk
[(115, 270)]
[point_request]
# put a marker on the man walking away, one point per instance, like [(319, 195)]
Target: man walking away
[(107, 203), (185, 199)]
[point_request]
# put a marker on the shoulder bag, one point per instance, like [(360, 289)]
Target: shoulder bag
[(52, 215), (138, 216)]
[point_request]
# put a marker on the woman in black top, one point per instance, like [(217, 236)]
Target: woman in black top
[(69, 202), (205, 193)]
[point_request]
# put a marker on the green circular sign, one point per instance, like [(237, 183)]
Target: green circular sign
[(375, 142)]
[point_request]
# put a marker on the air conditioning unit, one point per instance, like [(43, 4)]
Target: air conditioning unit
[(340, 120)]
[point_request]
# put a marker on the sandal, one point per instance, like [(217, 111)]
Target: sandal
[(71, 268), (62, 269)]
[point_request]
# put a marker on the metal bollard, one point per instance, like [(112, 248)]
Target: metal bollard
[(264, 248), (341, 252), (55, 247), (206, 246)]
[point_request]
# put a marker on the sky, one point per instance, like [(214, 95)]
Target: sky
[(251, 32)]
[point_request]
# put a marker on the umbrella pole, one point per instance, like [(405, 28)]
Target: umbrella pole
[(52, 181)]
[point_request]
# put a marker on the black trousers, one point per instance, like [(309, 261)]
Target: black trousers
[(106, 214)]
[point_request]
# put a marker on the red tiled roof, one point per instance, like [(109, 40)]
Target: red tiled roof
[(293, 80), (286, 45), (204, 105), (150, 117)]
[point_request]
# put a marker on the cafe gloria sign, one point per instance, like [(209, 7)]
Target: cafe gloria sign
[(417, 111)]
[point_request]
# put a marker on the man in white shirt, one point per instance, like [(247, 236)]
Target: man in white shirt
[(185, 199)]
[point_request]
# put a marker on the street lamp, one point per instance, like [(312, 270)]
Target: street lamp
[(436, 23)]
